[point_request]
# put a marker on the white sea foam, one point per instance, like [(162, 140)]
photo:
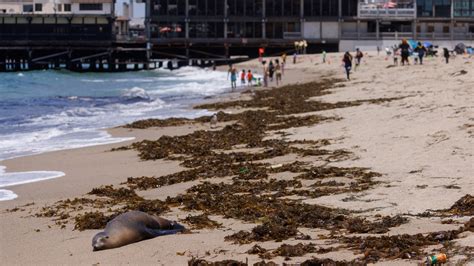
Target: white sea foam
[(7, 195), (19, 178), (136, 93)]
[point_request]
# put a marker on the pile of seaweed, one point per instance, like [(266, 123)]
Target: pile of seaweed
[(310, 262), (95, 212), (287, 251), (464, 206), (201, 222), (398, 246), (252, 194)]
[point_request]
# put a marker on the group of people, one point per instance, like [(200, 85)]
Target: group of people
[(419, 52), (272, 71), (246, 77), (347, 61)]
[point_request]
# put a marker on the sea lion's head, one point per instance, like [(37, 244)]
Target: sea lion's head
[(100, 241)]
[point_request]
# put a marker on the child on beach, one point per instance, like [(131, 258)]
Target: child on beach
[(283, 58), (347, 60), (446, 54), (278, 73), (421, 50), (358, 57), (271, 70), (242, 77), (233, 77), (249, 78)]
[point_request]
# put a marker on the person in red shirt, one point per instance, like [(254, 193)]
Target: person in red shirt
[(242, 77), (249, 78)]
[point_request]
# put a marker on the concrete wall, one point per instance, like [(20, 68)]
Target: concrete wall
[(330, 30), (312, 30)]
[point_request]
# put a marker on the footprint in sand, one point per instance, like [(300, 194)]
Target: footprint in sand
[(437, 137)]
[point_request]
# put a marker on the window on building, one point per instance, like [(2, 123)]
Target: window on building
[(464, 8), (173, 7), (67, 7), (446, 29), (434, 8), (442, 8), (425, 8), (276, 30), (274, 8), (291, 7), (59, 8), (206, 30), (330, 8), (430, 28), (27, 8), (312, 8), (90, 7), (249, 7), (349, 8), (220, 8), (201, 8), (38, 7)]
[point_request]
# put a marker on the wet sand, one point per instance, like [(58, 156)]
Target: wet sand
[(421, 144)]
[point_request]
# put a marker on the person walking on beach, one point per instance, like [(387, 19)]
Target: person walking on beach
[(378, 50), (233, 77), (347, 60), (358, 57), (405, 51), (446, 54), (271, 70), (278, 73), (324, 57), (249, 78), (242, 78), (421, 50), (282, 68), (295, 56), (283, 58), (265, 76)]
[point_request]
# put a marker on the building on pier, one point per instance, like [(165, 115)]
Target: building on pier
[(49, 21), (42, 34), (232, 25)]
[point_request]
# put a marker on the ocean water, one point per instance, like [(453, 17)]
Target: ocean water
[(43, 111)]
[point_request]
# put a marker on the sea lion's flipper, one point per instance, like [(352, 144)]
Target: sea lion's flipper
[(158, 232)]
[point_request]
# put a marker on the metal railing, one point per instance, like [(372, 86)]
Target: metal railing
[(291, 35), (368, 11), (407, 35)]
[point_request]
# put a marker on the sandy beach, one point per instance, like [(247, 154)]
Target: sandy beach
[(393, 142)]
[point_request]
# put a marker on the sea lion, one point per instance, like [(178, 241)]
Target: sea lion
[(131, 227)]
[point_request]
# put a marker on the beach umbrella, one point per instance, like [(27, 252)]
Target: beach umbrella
[(427, 44), (413, 43)]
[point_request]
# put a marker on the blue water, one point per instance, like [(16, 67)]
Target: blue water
[(42, 111)]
